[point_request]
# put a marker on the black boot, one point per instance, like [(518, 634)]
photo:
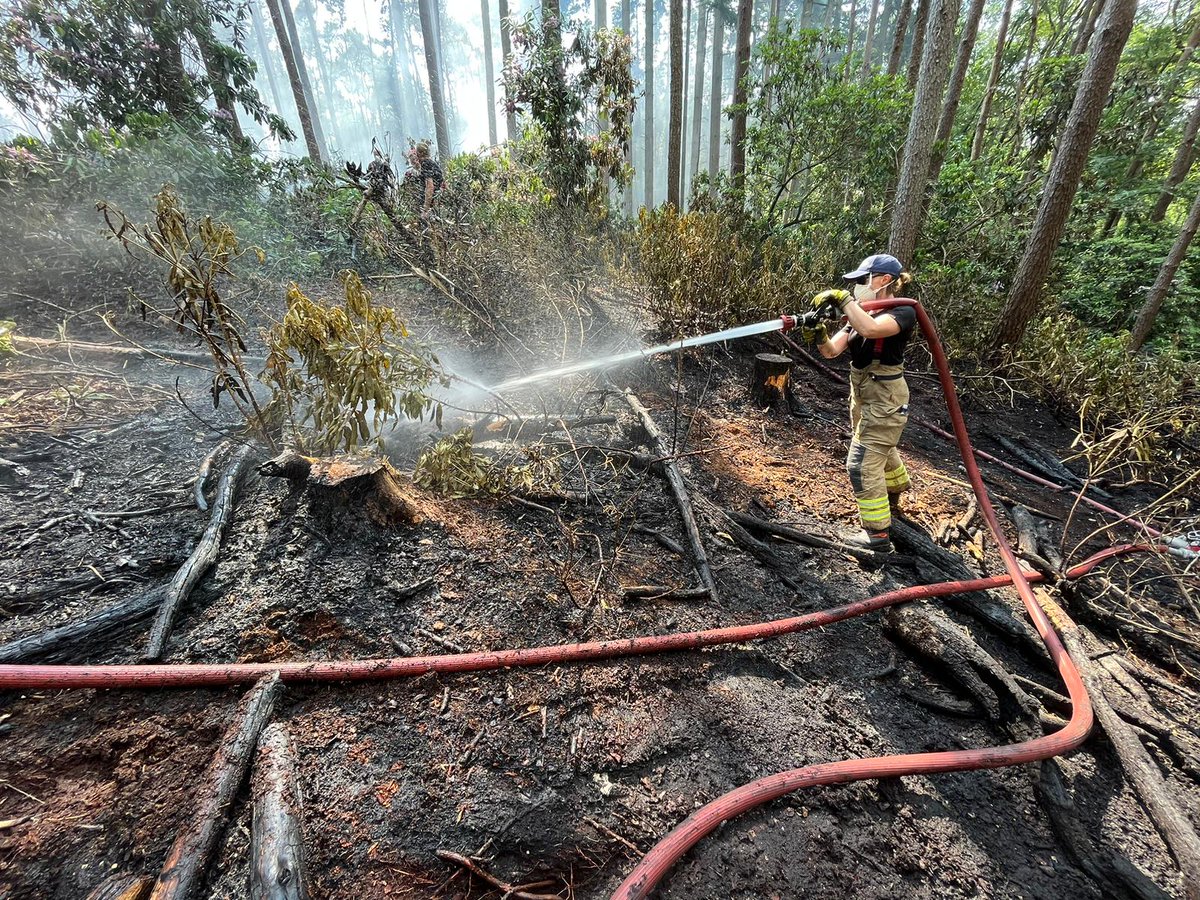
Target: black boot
[(872, 540)]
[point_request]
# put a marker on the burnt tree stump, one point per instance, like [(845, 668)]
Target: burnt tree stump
[(770, 384), (368, 483)]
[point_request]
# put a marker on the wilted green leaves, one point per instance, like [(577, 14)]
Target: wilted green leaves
[(452, 468)]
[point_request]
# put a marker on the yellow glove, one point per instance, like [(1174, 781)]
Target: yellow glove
[(834, 296), (814, 334)]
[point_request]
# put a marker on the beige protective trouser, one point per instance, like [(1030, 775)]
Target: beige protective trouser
[(878, 414)]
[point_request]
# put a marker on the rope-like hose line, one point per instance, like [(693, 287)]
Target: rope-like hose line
[(664, 854)]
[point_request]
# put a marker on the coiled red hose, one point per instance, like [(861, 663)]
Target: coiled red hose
[(664, 854)]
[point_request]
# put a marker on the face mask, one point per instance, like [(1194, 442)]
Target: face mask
[(863, 292)]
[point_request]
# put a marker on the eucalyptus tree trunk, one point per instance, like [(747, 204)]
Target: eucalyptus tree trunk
[(303, 111), (1182, 164), (683, 118), (870, 39), (1166, 275), (908, 210), (306, 85), (675, 132), (737, 132), (966, 46), (1062, 182), (989, 92), (716, 95), (600, 14), (853, 28), (485, 16), (628, 198), (902, 20), (505, 53), (648, 137), (698, 89), (305, 12), (432, 65)]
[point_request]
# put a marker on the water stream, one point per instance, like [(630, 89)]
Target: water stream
[(728, 334)]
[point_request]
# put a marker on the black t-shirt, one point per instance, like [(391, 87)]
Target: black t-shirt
[(430, 169), (888, 350)]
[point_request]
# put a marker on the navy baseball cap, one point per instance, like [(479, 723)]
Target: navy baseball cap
[(880, 263)]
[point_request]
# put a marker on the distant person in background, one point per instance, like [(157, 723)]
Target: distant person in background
[(428, 177)]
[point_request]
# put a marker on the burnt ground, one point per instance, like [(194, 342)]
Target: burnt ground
[(564, 773)]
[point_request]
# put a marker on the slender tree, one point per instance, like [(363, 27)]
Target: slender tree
[(698, 88), (675, 133), (919, 23), (648, 137), (306, 85), (683, 118), (436, 98), (902, 19), (626, 21), (505, 53), (918, 145), (1185, 155), (716, 95), (1062, 182), (853, 28), (600, 14), (1087, 26), (303, 111), (989, 92), (218, 77), (870, 39), (966, 46), (267, 57), (1166, 275), (737, 131), (304, 9), (485, 16)]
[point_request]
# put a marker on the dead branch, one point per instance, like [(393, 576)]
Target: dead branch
[(202, 557), (783, 570), (203, 472), (792, 533), (1139, 768), (671, 471), (58, 644), (663, 592), (276, 839), (521, 891), (183, 872)]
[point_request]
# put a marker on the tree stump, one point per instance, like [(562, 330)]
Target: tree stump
[(771, 380), (369, 483)]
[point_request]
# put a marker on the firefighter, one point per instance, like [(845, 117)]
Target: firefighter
[(878, 391), (426, 175)]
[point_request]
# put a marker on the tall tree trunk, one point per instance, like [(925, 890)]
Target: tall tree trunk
[(1154, 119), (966, 45), (684, 144), (648, 137), (989, 92), (806, 14), (447, 86), (716, 95), (1062, 182), (289, 20), (626, 21), (436, 99), (505, 52), (1023, 79), (218, 80), (1087, 28), (675, 134), (289, 60), (737, 133), (305, 11), (850, 35), (918, 145), (485, 15), (920, 23), (1166, 275), (898, 40), (395, 29), (1182, 164), (600, 14), (698, 88), (264, 52), (870, 39)]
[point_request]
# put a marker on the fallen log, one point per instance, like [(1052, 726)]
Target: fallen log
[(203, 472), (122, 887), (533, 426), (202, 557), (671, 472), (276, 839), (1139, 768), (57, 644), (370, 483), (812, 540), (783, 570), (183, 872)]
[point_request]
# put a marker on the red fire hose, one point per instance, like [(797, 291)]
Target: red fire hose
[(664, 854)]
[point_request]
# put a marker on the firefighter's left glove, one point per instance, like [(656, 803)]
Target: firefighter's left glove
[(814, 334), (833, 297)]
